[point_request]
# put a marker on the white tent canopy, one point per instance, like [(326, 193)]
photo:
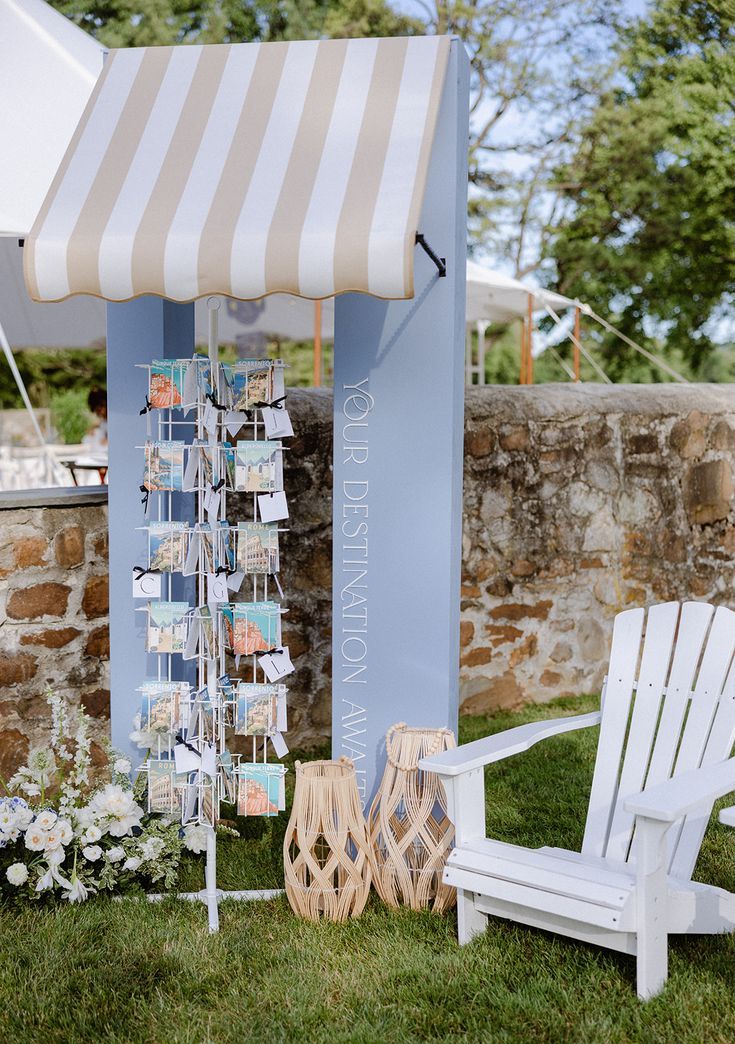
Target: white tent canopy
[(498, 298), (48, 68)]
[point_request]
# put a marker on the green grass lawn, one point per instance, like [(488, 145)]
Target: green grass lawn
[(134, 971)]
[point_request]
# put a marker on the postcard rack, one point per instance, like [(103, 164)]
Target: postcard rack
[(219, 432)]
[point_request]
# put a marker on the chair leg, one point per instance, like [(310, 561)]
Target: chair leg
[(470, 922), (652, 960)]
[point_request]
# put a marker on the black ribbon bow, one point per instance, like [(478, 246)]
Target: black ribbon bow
[(213, 400), (218, 487), (144, 499), (268, 652), (140, 572), (185, 743), (276, 404), (147, 408)]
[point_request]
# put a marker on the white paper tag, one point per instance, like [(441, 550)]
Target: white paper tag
[(192, 639), (234, 420), (216, 588), (272, 507), (186, 760), (234, 580), (211, 504), (281, 710), (279, 745), (277, 423), (209, 759), (147, 586), (212, 679), (210, 417), (192, 554), (189, 391), (277, 665), (192, 468)]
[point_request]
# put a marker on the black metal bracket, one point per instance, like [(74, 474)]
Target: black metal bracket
[(21, 243), (440, 262)]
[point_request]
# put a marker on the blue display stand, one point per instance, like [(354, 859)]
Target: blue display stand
[(398, 436)]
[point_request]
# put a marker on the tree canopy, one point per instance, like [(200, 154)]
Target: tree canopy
[(649, 235)]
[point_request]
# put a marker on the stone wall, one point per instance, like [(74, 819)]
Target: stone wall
[(578, 502), (53, 620)]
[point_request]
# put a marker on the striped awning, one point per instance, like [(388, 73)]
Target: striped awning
[(244, 169)]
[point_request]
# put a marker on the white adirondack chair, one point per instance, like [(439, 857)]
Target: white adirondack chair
[(666, 732)]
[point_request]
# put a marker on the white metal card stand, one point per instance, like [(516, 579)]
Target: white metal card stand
[(210, 895)]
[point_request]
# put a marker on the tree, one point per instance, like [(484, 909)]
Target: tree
[(650, 231), (145, 23)]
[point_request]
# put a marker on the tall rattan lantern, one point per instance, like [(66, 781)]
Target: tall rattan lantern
[(326, 847), (410, 832)]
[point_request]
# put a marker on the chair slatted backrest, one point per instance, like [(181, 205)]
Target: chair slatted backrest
[(669, 707)]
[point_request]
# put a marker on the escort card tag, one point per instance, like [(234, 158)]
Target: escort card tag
[(186, 760), (277, 665), (211, 505), (234, 420), (234, 580), (209, 759), (279, 745), (189, 391), (216, 588), (192, 469), (277, 423), (272, 507), (147, 586), (210, 418)]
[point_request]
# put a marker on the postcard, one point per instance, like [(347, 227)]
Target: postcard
[(167, 627), (164, 466), (257, 547), (167, 546), (165, 786), (257, 709), (251, 383), (258, 467), (201, 550), (261, 789), (252, 627), (166, 384), (164, 706)]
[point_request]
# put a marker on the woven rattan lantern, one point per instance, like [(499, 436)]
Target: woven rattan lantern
[(410, 832), (326, 848)]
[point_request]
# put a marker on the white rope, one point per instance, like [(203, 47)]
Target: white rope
[(655, 359), (567, 369), (593, 362)]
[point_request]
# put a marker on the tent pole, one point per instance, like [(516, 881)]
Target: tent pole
[(522, 377), (317, 344), (21, 386), (529, 342), (577, 324)]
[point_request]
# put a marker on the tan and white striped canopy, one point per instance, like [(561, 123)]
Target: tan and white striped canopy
[(244, 169)]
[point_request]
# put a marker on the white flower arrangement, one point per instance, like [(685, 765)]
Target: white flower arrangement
[(68, 833)]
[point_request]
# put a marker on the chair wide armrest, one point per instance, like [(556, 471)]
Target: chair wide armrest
[(674, 798), (502, 745)]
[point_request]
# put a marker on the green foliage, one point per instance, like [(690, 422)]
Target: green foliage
[(45, 373), (145, 23), (137, 972), (651, 234), (70, 416)]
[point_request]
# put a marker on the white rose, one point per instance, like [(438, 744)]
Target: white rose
[(35, 838), (123, 766), (17, 874), (91, 834), (7, 820), (46, 819), (195, 837), (92, 853), (23, 815), (64, 830), (53, 840), (116, 854), (132, 863)]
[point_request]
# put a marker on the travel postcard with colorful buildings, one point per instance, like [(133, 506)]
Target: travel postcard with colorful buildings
[(257, 709), (164, 466), (166, 383), (258, 467), (167, 546), (165, 786), (257, 547), (251, 381), (252, 627), (167, 627), (163, 706), (261, 789)]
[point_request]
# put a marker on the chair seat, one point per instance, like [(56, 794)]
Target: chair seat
[(568, 884)]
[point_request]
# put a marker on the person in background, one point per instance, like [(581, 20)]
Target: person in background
[(96, 437)]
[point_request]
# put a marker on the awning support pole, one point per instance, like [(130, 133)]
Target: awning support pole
[(440, 262), (317, 344)]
